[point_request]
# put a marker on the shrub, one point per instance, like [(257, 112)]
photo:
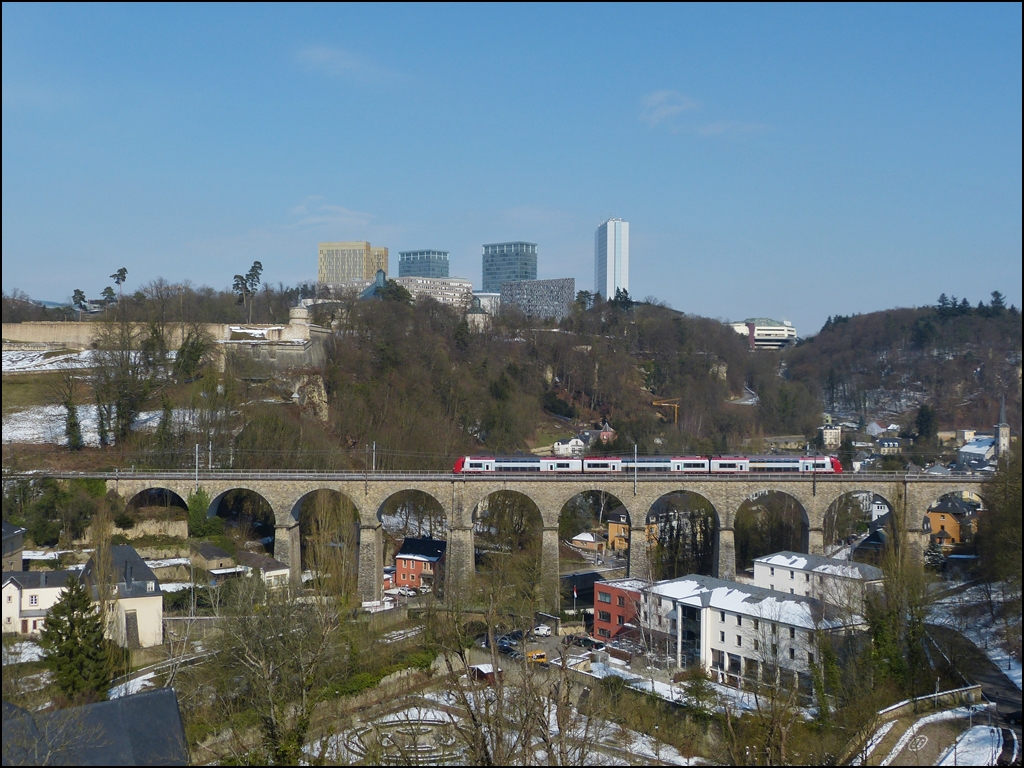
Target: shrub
[(124, 521)]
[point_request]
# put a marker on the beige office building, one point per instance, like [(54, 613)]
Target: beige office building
[(344, 262)]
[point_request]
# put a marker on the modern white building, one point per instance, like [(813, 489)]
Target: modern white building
[(611, 258), (765, 333), (740, 634), (841, 583)]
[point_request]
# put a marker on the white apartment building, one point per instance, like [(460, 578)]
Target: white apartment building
[(765, 333), (611, 258), (454, 291), (841, 583), (739, 633), (28, 596)]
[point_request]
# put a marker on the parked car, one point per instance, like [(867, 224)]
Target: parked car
[(425, 589), (407, 591), (542, 630)]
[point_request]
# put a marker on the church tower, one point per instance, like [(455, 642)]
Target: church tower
[(1002, 431)]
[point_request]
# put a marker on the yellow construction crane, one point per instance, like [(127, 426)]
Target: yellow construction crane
[(673, 402)]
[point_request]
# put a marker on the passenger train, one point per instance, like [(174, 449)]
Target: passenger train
[(713, 465)]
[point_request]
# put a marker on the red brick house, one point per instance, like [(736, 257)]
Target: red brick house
[(420, 562), (615, 606)]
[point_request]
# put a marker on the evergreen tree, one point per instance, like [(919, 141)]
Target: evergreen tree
[(199, 503), (73, 429), (75, 650)]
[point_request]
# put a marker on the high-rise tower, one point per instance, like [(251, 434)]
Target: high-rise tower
[(611, 258), (507, 262)]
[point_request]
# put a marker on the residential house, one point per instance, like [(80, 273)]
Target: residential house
[(741, 635), (28, 596), (978, 450), (953, 521), (569, 446), (273, 572), (210, 557), (616, 604), (588, 541), (420, 562), (137, 729), (14, 543), (136, 611), (874, 429), (618, 530), (831, 435), (888, 446), (841, 583)]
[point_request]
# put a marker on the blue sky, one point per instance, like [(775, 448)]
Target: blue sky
[(789, 161)]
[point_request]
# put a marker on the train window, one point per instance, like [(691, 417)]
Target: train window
[(562, 465)]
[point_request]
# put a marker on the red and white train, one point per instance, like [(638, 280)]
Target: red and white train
[(713, 465)]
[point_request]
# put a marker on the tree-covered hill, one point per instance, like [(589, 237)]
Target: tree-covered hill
[(959, 359)]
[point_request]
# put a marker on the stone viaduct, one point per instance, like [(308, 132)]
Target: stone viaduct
[(460, 495)]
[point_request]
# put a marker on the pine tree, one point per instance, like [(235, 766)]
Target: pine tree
[(75, 650), (73, 428)]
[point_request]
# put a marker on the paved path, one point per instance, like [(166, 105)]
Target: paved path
[(978, 668)]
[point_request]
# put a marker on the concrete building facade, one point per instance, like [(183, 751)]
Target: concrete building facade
[(454, 291), (540, 298)]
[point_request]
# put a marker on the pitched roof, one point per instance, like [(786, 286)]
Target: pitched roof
[(140, 729), (422, 547), (820, 564), (262, 563), (129, 572), (211, 551), (10, 531), (38, 579)]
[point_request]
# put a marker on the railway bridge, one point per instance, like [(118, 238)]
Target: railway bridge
[(460, 496)]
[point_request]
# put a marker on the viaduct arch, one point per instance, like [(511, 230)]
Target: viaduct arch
[(459, 495)]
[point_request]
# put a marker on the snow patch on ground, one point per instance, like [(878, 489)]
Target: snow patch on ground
[(135, 685), (951, 714), (22, 653), (980, 745), (40, 361), (874, 741)]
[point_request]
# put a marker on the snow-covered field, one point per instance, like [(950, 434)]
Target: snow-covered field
[(46, 424), (40, 361), (978, 628)]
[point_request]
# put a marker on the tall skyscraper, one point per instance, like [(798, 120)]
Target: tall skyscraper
[(342, 262), (611, 258), (506, 262), (423, 264)]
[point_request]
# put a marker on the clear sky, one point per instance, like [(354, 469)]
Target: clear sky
[(789, 161)]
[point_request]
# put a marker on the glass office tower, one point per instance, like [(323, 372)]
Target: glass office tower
[(611, 258), (507, 262), (423, 264)]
